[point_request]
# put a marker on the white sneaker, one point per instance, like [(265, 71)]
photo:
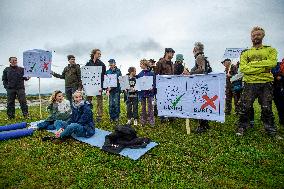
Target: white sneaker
[(135, 122), (129, 122)]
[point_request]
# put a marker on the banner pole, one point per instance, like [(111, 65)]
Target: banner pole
[(39, 98), (187, 126)]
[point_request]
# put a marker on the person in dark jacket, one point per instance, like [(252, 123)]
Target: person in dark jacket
[(165, 67), (278, 90), (81, 122), (199, 68), (146, 96), (230, 70), (72, 76), (114, 93), (178, 66), (95, 61), (13, 81)]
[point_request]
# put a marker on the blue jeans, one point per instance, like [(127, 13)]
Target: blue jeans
[(73, 128), (114, 105), (48, 125)]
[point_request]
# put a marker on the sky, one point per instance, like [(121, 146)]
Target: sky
[(129, 30)]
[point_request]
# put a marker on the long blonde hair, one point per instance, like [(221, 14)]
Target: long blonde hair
[(52, 98)]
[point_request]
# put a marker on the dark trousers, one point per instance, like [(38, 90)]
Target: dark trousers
[(69, 92), (132, 107), (114, 105), (279, 102), (262, 91), (12, 94), (229, 96)]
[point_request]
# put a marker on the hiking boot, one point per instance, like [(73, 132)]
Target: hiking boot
[(98, 119), (251, 124), (240, 132), (129, 122), (200, 130), (135, 123)]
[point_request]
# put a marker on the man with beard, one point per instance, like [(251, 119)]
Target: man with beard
[(256, 64), (165, 67)]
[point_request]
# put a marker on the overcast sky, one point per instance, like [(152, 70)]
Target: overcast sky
[(129, 30)]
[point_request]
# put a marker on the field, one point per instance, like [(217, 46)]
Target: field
[(216, 159)]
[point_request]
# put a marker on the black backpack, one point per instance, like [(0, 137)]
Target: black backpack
[(208, 68)]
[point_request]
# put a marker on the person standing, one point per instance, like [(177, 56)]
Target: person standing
[(95, 61), (72, 76), (230, 70), (114, 92), (178, 66), (256, 64), (200, 68), (13, 81), (165, 67)]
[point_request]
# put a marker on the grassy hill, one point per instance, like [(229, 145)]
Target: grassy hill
[(216, 159)]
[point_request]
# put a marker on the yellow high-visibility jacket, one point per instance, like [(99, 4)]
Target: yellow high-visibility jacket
[(256, 64)]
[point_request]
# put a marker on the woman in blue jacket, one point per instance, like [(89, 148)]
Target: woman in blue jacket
[(81, 122)]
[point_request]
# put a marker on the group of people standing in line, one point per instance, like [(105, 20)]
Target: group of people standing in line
[(257, 75)]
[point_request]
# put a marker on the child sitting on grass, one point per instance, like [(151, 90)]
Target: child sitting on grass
[(59, 109), (81, 122)]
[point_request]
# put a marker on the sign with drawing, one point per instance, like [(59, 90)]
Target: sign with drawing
[(110, 80), (198, 97), (124, 82), (37, 63), (233, 52), (144, 83), (91, 79)]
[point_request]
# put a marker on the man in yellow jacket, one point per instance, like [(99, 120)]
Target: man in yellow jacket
[(256, 64)]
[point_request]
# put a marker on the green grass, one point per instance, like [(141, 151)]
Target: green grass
[(216, 159)]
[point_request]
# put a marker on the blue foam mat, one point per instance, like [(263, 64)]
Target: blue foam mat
[(98, 140)]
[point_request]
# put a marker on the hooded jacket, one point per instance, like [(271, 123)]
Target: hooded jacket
[(148, 93), (83, 115), (118, 73)]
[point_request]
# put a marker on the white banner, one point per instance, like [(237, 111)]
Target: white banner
[(144, 83), (37, 63), (233, 52), (91, 79), (197, 96), (110, 80)]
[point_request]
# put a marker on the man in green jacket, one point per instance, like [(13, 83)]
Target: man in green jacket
[(256, 64), (72, 76)]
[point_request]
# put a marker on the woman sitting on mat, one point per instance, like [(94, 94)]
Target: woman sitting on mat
[(81, 123), (59, 109)]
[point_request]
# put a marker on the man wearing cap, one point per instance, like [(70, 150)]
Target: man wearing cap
[(114, 93), (230, 70), (165, 67), (178, 66), (95, 61), (256, 64)]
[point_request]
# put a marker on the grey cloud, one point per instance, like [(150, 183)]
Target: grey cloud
[(116, 46)]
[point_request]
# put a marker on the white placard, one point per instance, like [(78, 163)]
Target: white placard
[(37, 63), (144, 83), (124, 82), (233, 52), (91, 79), (198, 96), (110, 80)]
